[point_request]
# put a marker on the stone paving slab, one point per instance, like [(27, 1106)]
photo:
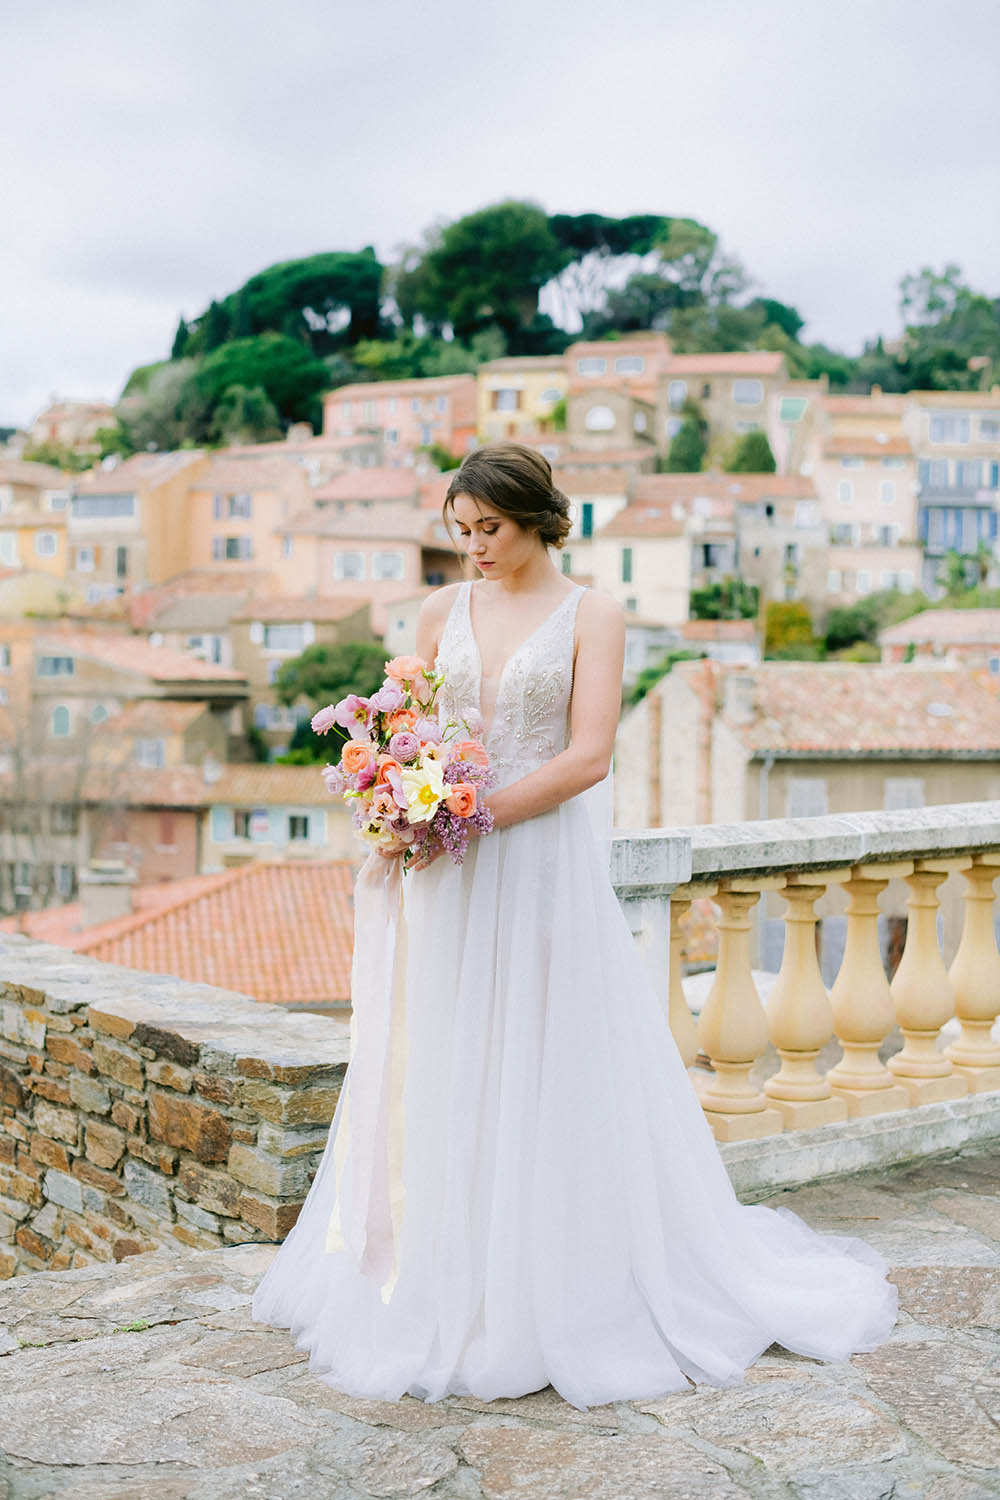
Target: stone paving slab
[(149, 1381)]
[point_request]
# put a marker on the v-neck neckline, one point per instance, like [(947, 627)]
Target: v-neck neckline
[(577, 589)]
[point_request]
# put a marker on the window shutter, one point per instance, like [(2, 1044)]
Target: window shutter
[(278, 825), (218, 549), (317, 827), (308, 632), (217, 507), (257, 632), (222, 824)]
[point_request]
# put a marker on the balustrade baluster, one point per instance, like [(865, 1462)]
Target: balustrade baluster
[(975, 978), (731, 1028), (861, 1000), (922, 993), (799, 1015), (682, 1023)]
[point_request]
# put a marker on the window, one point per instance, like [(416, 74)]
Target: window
[(587, 518), (241, 505), (887, 491), (57, 499), (298, 827), (989, 429), (894, 463), (748, 392), (805, 513), (639, 421), (551, 395), (46, 543), (905, 581), (507, 399), (888, 535), (414, 403), (151, 754), (241, 822), (59, 722), (833, 581), (567, 562), (842, 535), (85, 559), (232, 548), (284, 637), (64, 818), (217, 503), (592, 365), (626, 565), (599, 419), (388, 565), (392, 434), (969, 474), (632, 605), (845, 491), (390, 406), (806, 797), (348, 565), (441, 403), (629, 364), (674, 425), (121, 562), (286, 545), (8, 548), (900, 792), (55, 666), (791, 408), (102, 507), (706, 391), (98, 714), (676, 394), (65, 881), (4, 658), (852, 461), (950, 429), (994, 665), (273, 668), (863, 584), (368, 412)]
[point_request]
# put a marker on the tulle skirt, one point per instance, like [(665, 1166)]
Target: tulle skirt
[(566, 1216)]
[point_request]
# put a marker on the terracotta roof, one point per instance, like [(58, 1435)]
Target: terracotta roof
[(589, 482), (525, 362), (230, 471), (849, 709), (282, 933), (719, 630), (142, 471), (299, 608), (153, 716), (63, 925), (389, 522), (371, 389), (738, 363), (197, 613), (864, 406), (264, 784), (643, 520), (30, 518), (950, 627), (368, 484), (25, 471), (867, 447), (144, 605), (130, 653), (734, 488), (968, 400)]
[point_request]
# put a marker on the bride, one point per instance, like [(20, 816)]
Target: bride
[(520, 1187)]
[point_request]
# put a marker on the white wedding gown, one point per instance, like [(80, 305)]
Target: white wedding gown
[(561, 1214)]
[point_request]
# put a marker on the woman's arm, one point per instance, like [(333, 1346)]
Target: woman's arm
[(594, 710), (430, 621)]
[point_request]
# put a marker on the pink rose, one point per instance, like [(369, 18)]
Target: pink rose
[(427, 729), (389, 696), (357, 757), (471, 751), (404, 668), (462, 801), (333, 779), (404, 746), (324, 721)]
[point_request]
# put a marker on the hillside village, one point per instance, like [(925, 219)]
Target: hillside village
[(147, 605)]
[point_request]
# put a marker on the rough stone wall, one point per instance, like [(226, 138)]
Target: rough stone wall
[(138, 1111)]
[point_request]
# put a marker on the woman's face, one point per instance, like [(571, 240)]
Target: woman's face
[(496, 543)]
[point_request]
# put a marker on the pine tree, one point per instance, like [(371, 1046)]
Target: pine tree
[(214, 325), (687, 450), (242, 318), (181, 340), (752, 455)]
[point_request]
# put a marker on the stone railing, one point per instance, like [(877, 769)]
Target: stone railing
[(139, 1111), (803, 860)]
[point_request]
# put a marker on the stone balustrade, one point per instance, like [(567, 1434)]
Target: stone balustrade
[(140, 1111)]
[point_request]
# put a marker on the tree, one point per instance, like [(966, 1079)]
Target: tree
[(243, 325), (287, 373), (165, 409), (729, 599), (214, 327), (788, 626), (780, 314), (955, 574), (599, 248), (484, 269), (751, 454), (245, 416), (181, 339), (330, 300), (324, 674), (687, 449)]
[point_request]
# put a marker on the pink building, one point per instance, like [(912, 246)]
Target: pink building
[(410, 414)]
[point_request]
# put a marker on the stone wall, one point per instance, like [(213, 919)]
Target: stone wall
[(139, 1111)]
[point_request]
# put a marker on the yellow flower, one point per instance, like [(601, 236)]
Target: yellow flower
[(424, 788)]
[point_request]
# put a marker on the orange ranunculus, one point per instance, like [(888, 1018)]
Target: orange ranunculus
[(356, 756), (462, 800), (404, 668), (472, 751), (385, 765), (401, 718)]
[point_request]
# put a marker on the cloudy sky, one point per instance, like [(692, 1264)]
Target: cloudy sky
[(156, 155)]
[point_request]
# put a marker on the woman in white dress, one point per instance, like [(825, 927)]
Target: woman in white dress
[(520, 1187)]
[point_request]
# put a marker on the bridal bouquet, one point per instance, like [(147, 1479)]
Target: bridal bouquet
[(408, 777)]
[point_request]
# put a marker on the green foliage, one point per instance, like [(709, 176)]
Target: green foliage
[(797, 651), (955, 574), (245, 415), (257, 743), (181, 340), (330, 300), (729, 599), (650, 676), (780, 314), (686, 454), (214, 328), (326, 673), (168, 411), (289, 375), (441, 458), (751, 454), (143, 376), (59, 457), (860, 651), (788, 625), (556, 419)]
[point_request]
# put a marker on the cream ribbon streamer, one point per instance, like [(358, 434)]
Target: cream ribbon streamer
[(367, 1153)]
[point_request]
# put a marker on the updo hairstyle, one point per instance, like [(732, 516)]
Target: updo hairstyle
[(518, 482)]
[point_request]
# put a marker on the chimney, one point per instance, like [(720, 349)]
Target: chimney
[(738, 697), (105, 891)]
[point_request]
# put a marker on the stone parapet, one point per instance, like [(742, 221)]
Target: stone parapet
[(138, 1111)]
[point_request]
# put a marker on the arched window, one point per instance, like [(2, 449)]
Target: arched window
[(98, 714), (60, 721), (599, 419)]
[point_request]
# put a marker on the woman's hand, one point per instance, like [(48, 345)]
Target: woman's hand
[(431, 851)]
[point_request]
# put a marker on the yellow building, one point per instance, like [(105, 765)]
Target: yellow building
[(516, 395)]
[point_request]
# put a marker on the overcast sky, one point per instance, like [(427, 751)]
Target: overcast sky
[(156, 155)]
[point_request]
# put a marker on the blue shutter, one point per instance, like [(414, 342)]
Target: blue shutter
[(278, 822), (317, 826), (222, 824)]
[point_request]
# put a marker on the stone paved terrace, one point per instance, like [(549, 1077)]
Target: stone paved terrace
[(148, 1381)]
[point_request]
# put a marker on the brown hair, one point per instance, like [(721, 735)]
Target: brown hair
[(518, 482)]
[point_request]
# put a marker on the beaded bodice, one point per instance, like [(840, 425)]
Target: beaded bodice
[(530, 722)]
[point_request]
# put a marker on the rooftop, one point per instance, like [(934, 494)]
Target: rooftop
[(738, 363), (873, 446), (950, 627), (145, 605), (131, 653), (25, 471), (426, 385), (141, 471), (368, 484), (298, 607), (642, 520)]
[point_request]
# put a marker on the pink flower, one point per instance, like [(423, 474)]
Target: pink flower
[(324, 721), (427, 729), (383, 805), (472, 752), (422, 690), (393, 781), (404, 668), (355, 715), (404, 746), (333, 779), (389, 696), (357, 757), (462, 800)]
